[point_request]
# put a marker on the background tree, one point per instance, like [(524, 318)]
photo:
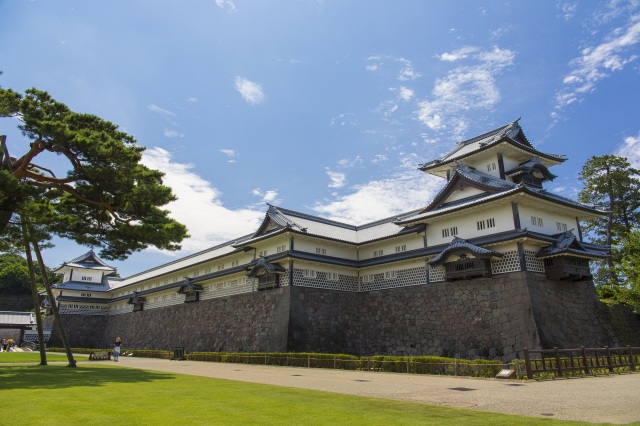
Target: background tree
[(14, 275), (106, 199), (611, 182)]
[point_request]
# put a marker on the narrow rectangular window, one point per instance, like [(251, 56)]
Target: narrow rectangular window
[(400, 249), (537, 221), (281, 248), (262, 253), (368, 278), (332, 276), (220, 267), (378, 253), (445, 233), (389, 275), (454, 230), (320, 250), (562, 227), (480, 224), (308, 273), (234, 263), (491, 223)]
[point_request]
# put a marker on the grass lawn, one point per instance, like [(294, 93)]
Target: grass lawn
[(104, 394), (34, 357)]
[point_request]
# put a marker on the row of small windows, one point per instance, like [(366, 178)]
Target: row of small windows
[(388, 275), (537, 221), (486, 223), (450, 232), (491, 167)]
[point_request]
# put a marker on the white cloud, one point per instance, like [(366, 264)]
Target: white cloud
[(193, 100), (199, 206), (164, 112), (172, 134), (598, 62), (382, 198), (269, 196), (251, 92), (229, 152), (457, 55), (227, 5), (338, 179), (405, 70), (405, 93), (568, 10), (630, 149), (464, 88)]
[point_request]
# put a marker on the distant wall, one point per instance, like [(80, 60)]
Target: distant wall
[(17, 303)]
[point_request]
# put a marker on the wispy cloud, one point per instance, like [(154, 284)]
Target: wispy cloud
[(597, 62), (172, 134), (269, 196), (465, 88), (630, 149), (457, 55), (338, 179), (382, 198), (403, 67), (568, 10), (227, 5), (231, 154), (251, 92), (164, 112), (199, 205)]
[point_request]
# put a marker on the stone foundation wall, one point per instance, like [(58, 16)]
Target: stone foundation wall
[(488, 317), (568, 314), (83, 331), (485, 317), (245, 322)]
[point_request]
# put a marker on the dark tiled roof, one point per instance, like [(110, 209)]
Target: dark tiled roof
[(262, 264), (567, 242), (511, 132), (459, 244)]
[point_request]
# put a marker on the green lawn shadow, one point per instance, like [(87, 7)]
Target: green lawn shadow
[(62, 376)]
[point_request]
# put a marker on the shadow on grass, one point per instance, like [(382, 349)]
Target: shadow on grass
[(57, 376)]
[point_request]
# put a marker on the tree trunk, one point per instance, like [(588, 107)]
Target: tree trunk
[(54, 307), (36, 299)]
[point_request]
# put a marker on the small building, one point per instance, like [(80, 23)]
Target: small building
[(494, 263)]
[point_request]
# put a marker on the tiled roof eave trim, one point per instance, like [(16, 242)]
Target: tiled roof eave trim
[(438, 163), (494, 197)]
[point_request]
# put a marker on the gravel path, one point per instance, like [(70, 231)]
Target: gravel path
[(606, 399)]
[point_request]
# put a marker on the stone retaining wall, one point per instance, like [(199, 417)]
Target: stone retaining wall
[(245, 322), (485, 317), (488, 317)]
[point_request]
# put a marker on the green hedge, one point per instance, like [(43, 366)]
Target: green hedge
[(384, 363)]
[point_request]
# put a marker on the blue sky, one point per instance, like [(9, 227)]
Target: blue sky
[(325, 106)]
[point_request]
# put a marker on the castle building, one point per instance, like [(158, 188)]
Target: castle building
[(493, 264)]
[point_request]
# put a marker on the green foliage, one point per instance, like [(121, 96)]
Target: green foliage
[(611, 182), (107, 197), (14, 275)]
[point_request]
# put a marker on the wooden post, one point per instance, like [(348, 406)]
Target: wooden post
[(368, 363), (308, 361), (408, 365), (527, 363), (585, 364), (335, 361), (632, 363), (518, 370), (558, 366), (457, 366), (609, 359)]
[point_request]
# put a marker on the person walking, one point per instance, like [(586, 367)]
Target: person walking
[(116, 349)]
